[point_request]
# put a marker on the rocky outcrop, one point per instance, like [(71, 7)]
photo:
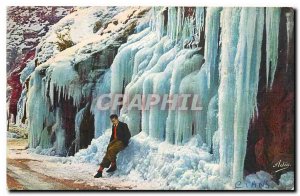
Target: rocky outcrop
[(14, 87), (25, 28), (65, 80)]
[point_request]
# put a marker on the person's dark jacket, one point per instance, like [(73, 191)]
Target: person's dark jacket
[(123, 133)]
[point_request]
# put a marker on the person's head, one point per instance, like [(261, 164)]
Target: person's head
[(114, 119)]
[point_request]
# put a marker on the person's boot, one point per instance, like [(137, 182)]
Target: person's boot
[(113, 167), (99, 172), (98, 175)]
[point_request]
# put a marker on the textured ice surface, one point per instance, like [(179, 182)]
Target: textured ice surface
[(174, 167), (181, 149), (287, 180)]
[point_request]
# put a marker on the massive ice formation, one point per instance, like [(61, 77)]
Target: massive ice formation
[(71, 76), (212, 53)]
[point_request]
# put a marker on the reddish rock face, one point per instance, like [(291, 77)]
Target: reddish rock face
[(25, 27), (13, 83), (271, 134)]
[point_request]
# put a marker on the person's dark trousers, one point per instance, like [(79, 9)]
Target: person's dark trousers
[(113, 148)]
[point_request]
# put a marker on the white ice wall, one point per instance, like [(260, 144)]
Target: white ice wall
[(163, 57)]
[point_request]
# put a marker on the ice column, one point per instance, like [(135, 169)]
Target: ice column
[(179, 22), (226, 92), (272, 32), (172, 21), (147, 79), (290, 31), (199, 16), (157, 21), (205, 79), (37, 109), (135, 87), (21, 107), (157, 117), (78, 120), (212, 120), (247, 64), (192, 122), (101, 115), (212, 26), (59, 144)]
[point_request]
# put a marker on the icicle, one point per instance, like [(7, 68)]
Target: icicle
[(37, 110), (199, 19), (172, 21), (212, 120), (147, 85), (65, 85), (102, 121), (175, 84), (226, 92), (136, 86), (51, 93), (45, 141), (247, 64), (216, 146), (180, 17), (147, 90), (290, 31), (194, 84), (59, 144), (184, 119), (25, 73), (183, 65), (212, 25), (163, 53), (254, 66), (78, 120), (160, 28), (157, 21), (157, 117), (58, 92), (142, 59), (123, 64), (21, 107), (188, 32), (272, 32)]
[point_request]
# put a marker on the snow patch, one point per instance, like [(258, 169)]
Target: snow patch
[(145, 159)]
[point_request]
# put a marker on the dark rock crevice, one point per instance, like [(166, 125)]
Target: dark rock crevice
[(271, 134)]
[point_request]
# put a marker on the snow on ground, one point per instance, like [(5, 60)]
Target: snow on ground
[(173, 167), (84, 173), (189, 167), (81, 173), (34, 183), (286, 181), (149, 165)]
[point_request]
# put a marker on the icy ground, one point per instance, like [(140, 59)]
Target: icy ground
[(150, 164), (41, 172)]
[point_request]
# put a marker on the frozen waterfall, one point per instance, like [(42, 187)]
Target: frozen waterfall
[(227, 82), (164, 57)]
